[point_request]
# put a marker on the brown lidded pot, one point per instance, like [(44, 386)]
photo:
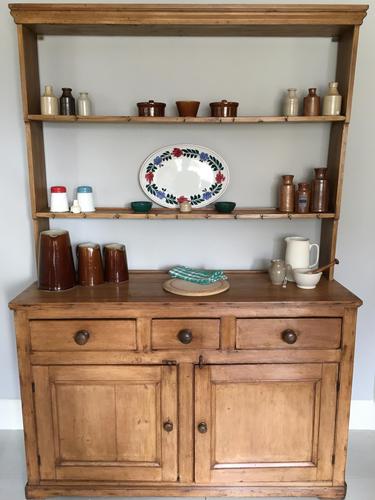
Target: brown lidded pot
[(55, 264), (90, 266), (224, 108), (151, 108)]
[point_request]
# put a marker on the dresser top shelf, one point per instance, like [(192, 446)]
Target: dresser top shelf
[(189, 20), (146, 288)]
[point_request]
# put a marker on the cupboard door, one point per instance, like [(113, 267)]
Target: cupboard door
[(107, 422), (264, 422)]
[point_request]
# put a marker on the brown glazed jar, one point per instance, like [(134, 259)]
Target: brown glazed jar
[(115, 263), (311, 103), (319, 191), (224, 108), (286, 194), (90, 266), (303, 196), (151, 108), (55, 263)]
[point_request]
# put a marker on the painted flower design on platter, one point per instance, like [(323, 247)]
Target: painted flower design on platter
[(197, 199)]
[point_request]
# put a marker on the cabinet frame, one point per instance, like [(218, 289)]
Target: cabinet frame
[(341, 22)]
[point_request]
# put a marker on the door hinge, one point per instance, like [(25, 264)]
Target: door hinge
[(333, 459), (169, 362), (33, 386), (39, 461)]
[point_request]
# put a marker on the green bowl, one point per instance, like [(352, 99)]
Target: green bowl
[(225, 207), (141, 207)]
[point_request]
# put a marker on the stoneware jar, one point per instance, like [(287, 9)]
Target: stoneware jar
[(49, 104), (277, 271), (290, 103), (67, 102), (84, 104), (332, 101), (320, 191), (286, 194), (311, 103)]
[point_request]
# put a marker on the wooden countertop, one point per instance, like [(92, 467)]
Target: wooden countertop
[(146, 288)]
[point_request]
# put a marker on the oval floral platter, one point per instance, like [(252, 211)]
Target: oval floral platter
[(184, 172)]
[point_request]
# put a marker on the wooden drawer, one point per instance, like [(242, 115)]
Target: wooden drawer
[(197, 333), (314, 333), (63, 335)]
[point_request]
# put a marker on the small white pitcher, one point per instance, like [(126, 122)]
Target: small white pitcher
[(297, 254)]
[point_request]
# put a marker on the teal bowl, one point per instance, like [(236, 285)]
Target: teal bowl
[(225, 207), (141, 207)]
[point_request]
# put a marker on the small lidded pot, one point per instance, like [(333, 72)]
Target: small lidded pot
[(85, 198), (151, 108), (224, 108), (59, 199)]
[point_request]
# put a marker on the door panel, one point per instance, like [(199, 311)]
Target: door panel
[(107, 422), (265, 422)]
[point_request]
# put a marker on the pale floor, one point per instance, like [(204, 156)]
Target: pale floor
[(360, 472)]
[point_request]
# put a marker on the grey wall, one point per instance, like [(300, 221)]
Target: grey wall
[(118, 72)]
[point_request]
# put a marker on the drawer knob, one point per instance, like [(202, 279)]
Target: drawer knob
[(81, 337), (185, 336), (289, 336), (202, 427), (168, 426)]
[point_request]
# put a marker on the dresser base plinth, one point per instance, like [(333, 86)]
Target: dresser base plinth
[(323, 492)]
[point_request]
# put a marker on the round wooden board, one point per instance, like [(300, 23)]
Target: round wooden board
[(182, 287)]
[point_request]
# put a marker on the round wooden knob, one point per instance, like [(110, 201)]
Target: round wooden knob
[(168, 426), (289, 336), (185, 336), (202, 427), (81, 337)]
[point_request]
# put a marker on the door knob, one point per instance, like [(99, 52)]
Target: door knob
[(202, 427), (185, 336), (168, 426), (289, 336)]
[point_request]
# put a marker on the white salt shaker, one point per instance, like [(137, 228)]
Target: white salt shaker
[(85, 199), (84, 104), (59, 199)]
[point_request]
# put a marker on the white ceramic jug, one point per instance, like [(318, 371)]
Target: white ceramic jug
[(298, 253)]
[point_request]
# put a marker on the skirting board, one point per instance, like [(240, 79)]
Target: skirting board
[(362, 414)]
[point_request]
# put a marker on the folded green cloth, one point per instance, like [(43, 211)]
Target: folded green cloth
[(199, 276)]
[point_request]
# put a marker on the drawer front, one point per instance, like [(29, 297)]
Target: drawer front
[(288, 333), (83, 335), (185, 333)]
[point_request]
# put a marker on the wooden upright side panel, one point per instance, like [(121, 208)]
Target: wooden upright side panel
[(29, 69), (344, 396), (30, 85), (346, 61), (345, 70), (28, 410)]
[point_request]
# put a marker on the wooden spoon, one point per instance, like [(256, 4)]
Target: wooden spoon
[(323, 268)]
